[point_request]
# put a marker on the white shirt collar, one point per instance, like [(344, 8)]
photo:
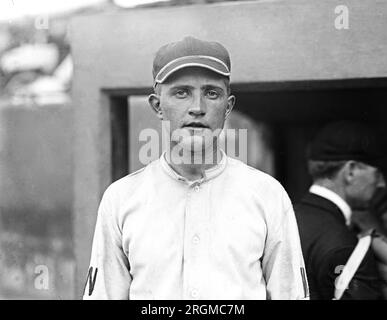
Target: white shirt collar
[(335, 198), (207, 174)]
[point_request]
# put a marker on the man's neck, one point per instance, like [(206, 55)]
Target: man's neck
[(330, 185), (192, 165)]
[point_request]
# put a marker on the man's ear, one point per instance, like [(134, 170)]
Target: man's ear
[(154, 101), (230, 105), (349, 171)]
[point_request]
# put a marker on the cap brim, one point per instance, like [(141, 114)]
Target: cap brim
[(380, 163), (206, 62)]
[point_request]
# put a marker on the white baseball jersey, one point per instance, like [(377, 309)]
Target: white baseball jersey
[(230, 235)]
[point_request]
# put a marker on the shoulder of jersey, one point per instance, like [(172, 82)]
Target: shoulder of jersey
[(135, 173), (130, 180), (252, 174), (130, 176)]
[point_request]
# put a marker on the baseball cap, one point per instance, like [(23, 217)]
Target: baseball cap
[(190, 52), (348, 140)]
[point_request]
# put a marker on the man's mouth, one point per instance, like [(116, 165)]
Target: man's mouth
[(195, 125)]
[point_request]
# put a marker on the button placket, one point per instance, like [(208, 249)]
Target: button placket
[(190, 246), (194, 226)]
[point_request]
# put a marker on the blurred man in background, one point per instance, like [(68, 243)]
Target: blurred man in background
[(344, 161), (372, 218)]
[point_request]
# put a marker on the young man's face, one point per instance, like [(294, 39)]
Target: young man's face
[(196, 103)]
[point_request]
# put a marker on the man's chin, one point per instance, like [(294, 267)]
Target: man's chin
[(194, 150), (199, 143)]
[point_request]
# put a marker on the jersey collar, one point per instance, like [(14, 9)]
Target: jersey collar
[(207, 175), (335, 198)]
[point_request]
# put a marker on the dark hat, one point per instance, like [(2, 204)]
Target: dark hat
[(190, 52), (348, 140)]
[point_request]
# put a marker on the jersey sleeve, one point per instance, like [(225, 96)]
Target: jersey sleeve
[(108, 275), (283, 264)]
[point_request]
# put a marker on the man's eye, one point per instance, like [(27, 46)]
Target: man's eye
[(212, 94), (181, 93)]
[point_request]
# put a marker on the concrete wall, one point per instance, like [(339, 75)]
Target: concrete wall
[(272, 44), (36, 157), (36, 165)]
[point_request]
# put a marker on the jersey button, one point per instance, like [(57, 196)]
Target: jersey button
[(197, 188), (195, 239), (194, 293)]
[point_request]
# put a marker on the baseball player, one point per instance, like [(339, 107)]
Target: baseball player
[(215, 229)]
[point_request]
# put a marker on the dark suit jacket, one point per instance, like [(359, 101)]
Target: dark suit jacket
[(327, 243)]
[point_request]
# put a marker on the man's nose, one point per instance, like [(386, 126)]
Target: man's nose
[(382, 181), (197, 107)]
